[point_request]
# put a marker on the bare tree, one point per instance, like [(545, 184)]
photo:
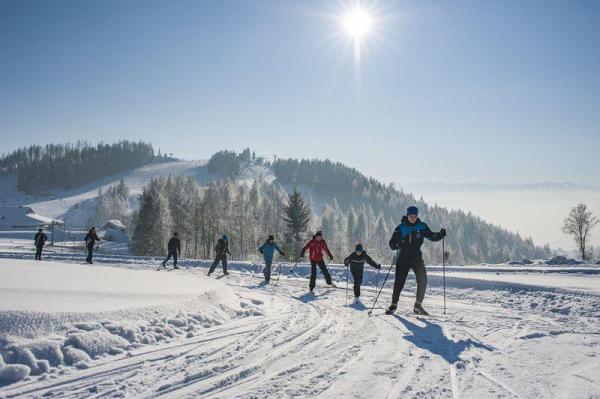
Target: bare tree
[(578, 224)]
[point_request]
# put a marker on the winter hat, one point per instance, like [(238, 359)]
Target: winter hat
[(319, 234), (412, 210), (271, 238), (175, 234), (359, 248), (224, 237)]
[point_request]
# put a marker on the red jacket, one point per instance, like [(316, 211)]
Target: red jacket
[(315, 249)]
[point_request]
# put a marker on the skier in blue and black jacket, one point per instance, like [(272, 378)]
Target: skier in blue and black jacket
[(407, 239), (268, 250)]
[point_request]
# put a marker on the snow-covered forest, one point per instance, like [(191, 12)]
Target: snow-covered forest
[(348, 207)]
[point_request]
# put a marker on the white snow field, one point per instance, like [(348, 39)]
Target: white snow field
[(128, 330)]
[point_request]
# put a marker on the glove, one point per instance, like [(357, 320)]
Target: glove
[(302, 255), (443, 233), (378, 266), (331, 258), (282, 254), (346, 264), (261, 251)]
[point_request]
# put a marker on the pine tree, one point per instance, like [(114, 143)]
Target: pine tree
[(297, 219)]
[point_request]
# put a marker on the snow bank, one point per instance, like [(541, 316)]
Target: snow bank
[(55, 315)]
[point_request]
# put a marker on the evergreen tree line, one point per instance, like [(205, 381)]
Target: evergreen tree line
[(227, 164), (66, 166), (362, 209), (249, 213)]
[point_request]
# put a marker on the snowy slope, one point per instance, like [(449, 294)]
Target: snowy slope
[(77, 205), (535, 339)]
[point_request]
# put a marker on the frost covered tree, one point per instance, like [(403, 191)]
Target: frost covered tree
[(297, 218), (113, 204), (579, 224)]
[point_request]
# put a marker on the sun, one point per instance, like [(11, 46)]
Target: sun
[(357, 22)]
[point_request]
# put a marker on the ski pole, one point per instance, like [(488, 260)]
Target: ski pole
[(255, 270), (444, 271), (346, 285), (379, 293)]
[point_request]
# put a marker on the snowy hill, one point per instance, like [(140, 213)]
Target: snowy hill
[(76, 206)]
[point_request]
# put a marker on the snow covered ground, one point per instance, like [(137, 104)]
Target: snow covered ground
[(121, 328)]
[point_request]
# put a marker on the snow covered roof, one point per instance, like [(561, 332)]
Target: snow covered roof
[(114, 224), (12, 217)]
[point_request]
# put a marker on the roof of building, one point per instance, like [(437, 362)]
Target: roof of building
[(23, 217)]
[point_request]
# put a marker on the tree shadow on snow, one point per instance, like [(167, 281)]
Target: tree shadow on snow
[(431, 337)]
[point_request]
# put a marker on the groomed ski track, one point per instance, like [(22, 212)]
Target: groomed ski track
[(315, 346)]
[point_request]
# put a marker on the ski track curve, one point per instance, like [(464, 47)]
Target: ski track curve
[(310, 346)]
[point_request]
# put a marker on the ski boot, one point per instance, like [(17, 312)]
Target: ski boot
[(176, 267), (332, 285), (392, 308), (226, 273), (418, 309), (357, 300)]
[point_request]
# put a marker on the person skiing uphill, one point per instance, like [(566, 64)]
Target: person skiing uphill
[(356, 261), (408, 238), (39, 240), (173, 249), (90, 240), (268, 250), (315, 247), (221, 251)]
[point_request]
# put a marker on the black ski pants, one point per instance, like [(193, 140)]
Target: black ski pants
[(357, 275), (172, 253), (219, 258), (402, 268), (90, 254), (38, 253), (267, 269), (313, 273)]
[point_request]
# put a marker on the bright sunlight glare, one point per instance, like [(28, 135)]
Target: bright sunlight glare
[(357, 22)]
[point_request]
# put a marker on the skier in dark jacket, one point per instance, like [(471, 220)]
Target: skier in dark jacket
[(268, 250), (221, 251), (39, 240), (173, 249), (315, 248), (408, 238), (356, 261), (90, 240)]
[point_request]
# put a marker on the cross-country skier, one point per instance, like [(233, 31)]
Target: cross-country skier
[(221, 251), (90, 240), (315, 247), (173, 249), (356, 261), (268, 250), (408, 238), (39, 240)]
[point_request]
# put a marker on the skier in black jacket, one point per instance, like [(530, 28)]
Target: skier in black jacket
[(90, 240), (356, 261), (221, 251), (408, 238), (39, 240), (173, 249)]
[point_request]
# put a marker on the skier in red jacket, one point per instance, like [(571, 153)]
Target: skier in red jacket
[(315, 247)]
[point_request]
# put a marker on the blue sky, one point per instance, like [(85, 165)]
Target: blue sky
[(454, 91)]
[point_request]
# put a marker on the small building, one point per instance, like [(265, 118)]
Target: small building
[(114, 231), (25, 218)]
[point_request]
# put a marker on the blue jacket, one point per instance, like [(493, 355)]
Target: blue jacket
[(408, 238), (268, 249)]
